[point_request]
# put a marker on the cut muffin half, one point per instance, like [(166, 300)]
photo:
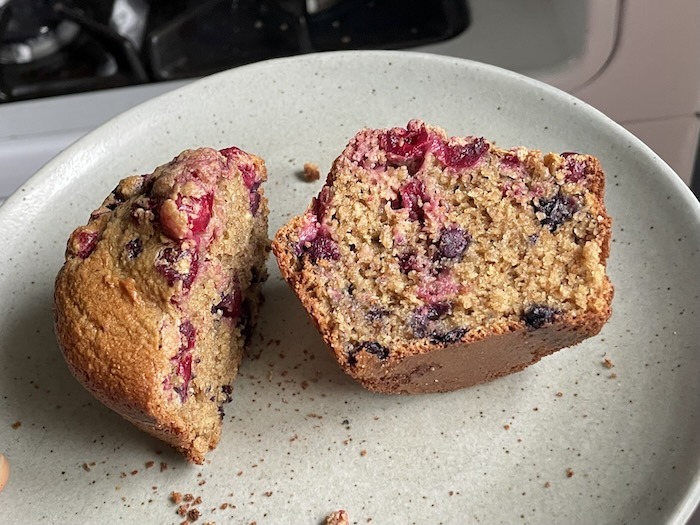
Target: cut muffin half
[(432, 263)]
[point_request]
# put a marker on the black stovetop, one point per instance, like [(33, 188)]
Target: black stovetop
[(50, 47)]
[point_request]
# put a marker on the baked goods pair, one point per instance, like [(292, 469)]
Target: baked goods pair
[(428, 263)]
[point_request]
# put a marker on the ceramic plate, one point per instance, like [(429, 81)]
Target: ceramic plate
[(569, 440)]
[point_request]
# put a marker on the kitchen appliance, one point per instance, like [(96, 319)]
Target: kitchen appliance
[(598, 50)]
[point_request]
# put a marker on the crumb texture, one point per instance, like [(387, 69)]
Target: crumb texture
[(419, 242), (160, 291)]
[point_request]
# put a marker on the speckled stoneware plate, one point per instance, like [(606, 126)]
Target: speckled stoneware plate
[(569, 440)]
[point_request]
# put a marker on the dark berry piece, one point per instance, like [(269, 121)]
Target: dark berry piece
[(407, 261), (538, 315), (460, 156), (449, 337), (227, 390), (322, 247), (375, 314), (371, 347), (556, 210), (133, 248), (85, 242), (188, 335), (230, 304), (453, 242), (168, 260), (421, 317)]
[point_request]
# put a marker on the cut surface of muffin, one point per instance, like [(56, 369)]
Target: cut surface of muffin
[(160, 291), (432, 263)]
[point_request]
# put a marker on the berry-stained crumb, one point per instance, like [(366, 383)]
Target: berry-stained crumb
[(607, 363), (339, 517), (16, 425), (569, 472), (311, 172)]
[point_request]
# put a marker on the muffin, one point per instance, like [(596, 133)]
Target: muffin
[(160, 291), (431, 263)]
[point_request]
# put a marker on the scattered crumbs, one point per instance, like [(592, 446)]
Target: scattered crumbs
[(182, 510), (607, 363), (188, 497), (175, 497), (202, 482), (535, 409), (197, 500), (223, 506), (193, 514), (451, 493), (314, 416), (294, 438), (547, 484), (559, 394), (506, 426), (612, 376), (149, 464), (163, 466), (345, 422), (304, 384), (134, 472), (16, 425), (569, 472), (311, 172), (267, 494), (339, 517), (122, 474), (86, 467), (363, 452)]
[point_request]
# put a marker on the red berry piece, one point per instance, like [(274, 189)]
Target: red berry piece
[(84, 243), (322, 247), (412, 196), (577, 168), (183, 359), (461, 156), (170, 261)]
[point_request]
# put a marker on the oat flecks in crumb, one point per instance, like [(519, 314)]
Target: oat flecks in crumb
[(339, 517), (311, 172), (607, 363), (569, 472)]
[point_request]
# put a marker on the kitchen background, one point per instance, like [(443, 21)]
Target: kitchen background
[(67, 67)]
